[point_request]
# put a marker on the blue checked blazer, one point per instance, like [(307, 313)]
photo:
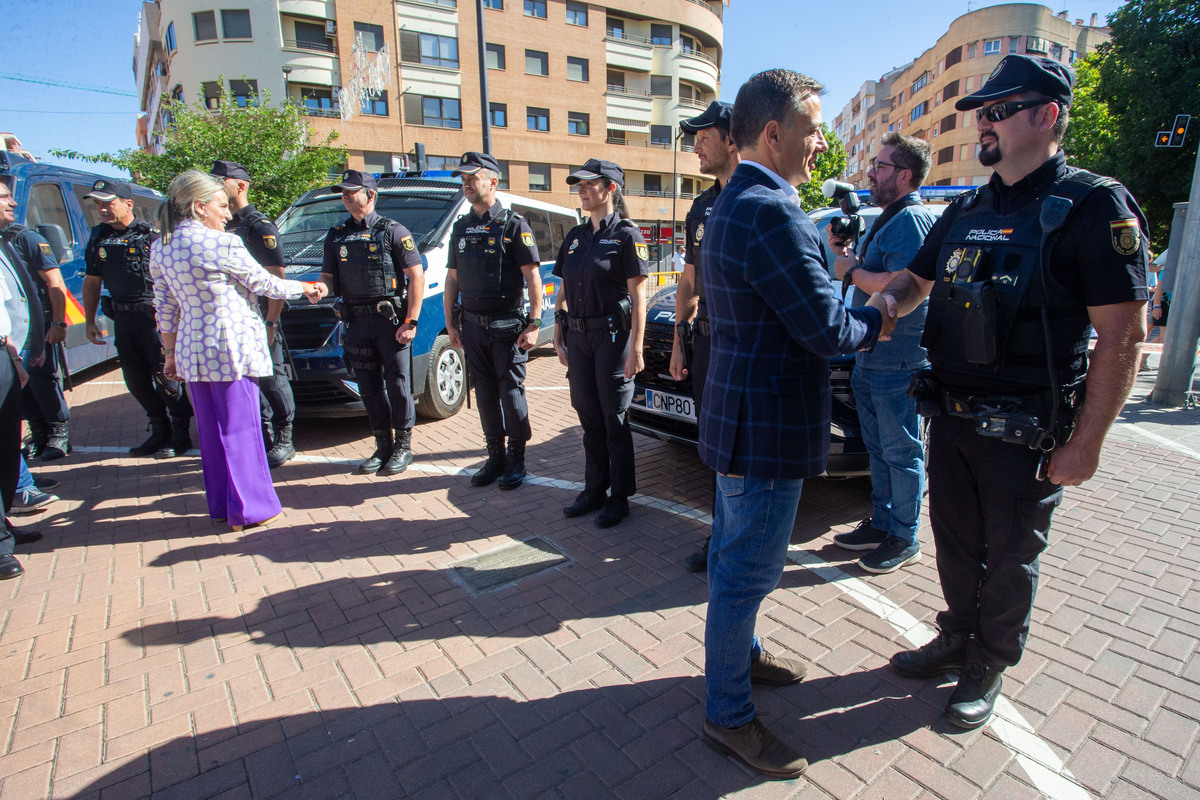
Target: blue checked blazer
[(776, 320)]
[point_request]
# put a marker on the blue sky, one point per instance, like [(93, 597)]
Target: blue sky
[(91, 42)]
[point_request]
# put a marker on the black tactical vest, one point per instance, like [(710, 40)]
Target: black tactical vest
[(483, 271), (124, 259), (992, 265), (699, 214), (243, 225), (365, 269)]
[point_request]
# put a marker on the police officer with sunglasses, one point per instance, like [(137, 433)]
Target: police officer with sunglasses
[(1018, 272)]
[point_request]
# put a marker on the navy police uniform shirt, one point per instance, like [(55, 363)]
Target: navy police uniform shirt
[(132, 290), (1101, 253), (397, 239), (595, 265), (259, 234), (519, 247), (693, 230), (37, 256)]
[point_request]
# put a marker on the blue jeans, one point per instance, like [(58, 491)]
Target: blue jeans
[(891, 431), (24, 476), (750, 534)]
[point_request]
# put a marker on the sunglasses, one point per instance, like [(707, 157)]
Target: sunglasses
[(875, 165), (1002, 111)]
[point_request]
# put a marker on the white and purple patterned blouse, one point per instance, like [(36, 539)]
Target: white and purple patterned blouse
[(205, 287)]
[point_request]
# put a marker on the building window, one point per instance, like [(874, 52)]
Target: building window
[(235, 23), (1035, 44), (311, 36), (614, 28), (660, 135), (615, 137), (953, 57), (169, 39), (577, 123), (991, 47), (375, 103), (535, 8), (441, 112), (537, 119), (1056, 52), (616, 81), (900, 98), (576, 13), (496, 4), (503, 182), (660, 85), (204, 23), (495, 55), (1012, 43), (498, 114), (946, 155), (920, 82), (688, 45), (661, 34), (539, 177), (318, 101), (439, 51), (537, 62), (369, 36), (577, 69), (949, 123), (212, 95), (971, 50), (244, 92), (950, 90), (919, 111), (376, 163)]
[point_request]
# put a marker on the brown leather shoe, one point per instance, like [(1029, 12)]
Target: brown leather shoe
[(777, 671), (757, 748)]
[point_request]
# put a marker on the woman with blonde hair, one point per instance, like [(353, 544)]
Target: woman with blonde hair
[(205, 287)]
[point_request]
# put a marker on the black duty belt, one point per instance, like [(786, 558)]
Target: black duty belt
[(608, 322), (385, 308), (144, 306), (484, 320)]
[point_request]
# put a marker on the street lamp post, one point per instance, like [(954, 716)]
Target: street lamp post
[(674, 183), (287, 70)]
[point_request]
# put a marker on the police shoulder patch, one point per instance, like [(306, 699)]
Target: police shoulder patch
[(527, 239), (1126, 236), (408, 243), (45, 248), (643, 252), (270, 241)]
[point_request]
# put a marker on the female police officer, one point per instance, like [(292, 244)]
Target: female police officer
[(600, 317)]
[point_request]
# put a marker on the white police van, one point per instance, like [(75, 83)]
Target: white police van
[(427, 204)]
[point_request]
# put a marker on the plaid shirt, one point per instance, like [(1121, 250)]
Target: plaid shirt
[(776, 320)]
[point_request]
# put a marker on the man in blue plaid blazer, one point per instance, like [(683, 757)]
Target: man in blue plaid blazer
[(776, 319)]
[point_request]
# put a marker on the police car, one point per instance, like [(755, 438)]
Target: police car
[(426, 203), (665, 409), (50, 201)]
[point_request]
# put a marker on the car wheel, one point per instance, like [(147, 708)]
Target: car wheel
[(446, 382)]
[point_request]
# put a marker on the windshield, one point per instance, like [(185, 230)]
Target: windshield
[(303, 227)]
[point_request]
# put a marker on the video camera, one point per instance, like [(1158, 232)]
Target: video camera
[(851, 226)]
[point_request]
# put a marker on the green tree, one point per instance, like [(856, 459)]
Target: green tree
[(830, 164), (1092, 130), (1150, 72), (274, 143)]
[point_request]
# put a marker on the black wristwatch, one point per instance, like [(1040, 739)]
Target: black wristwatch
[(270, 323), (63, 325), (536, 322), (411, 321)]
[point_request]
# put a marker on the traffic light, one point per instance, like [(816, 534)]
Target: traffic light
[(1163, 139), (1180, 130)]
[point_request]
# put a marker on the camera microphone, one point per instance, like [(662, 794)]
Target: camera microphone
[(831, 187)]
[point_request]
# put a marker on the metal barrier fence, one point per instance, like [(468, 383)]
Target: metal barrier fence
[(657, 281)]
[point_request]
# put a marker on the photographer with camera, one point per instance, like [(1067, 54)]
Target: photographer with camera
[(1018, 274), (888, 416)]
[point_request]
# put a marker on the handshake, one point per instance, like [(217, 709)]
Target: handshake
[(886, 305)]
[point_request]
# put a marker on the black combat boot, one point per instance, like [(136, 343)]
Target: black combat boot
[(494, 466), (39, 432), (401, 456), (160, 435), (268, 435), (514, 471), (383, 453), (282, 451), (181, 437), (58, 444)]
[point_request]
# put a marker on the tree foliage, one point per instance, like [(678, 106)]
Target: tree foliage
[(1148, 73), (1091, 132), (830, 164), (272, 142)]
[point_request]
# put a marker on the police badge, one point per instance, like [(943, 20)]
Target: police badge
[(574, 244), (643, 252), (462, 245), (1126, 236), (45, 248), (102, 253), (269, 241), (952, 263), (527, 239), (344, 252), (407, 241), (700, 233)]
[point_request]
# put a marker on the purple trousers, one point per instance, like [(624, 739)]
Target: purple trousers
[(237, 480)]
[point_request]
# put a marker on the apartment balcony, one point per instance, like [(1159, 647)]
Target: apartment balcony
[(635, 105), (327, 46), (319, 9), (629, 52), (699, 68)]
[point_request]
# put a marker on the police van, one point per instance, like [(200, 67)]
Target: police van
[(426, 203), (50, 201)]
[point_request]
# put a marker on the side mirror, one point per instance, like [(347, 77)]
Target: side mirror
[(57, 238)]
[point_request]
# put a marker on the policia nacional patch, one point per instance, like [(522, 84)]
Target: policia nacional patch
[(45, 248), (527, 239), (642, 252), (269, 241), (1126, 236)]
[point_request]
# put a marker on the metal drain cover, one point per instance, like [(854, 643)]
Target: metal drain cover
[(508, 564)]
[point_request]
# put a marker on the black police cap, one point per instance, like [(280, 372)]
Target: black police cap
[(472, 162), (107, 189), (353, 179), (595, 168), (1016, 74), (229, 169), (717, 115)]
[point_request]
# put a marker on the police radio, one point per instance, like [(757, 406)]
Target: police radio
[(972, 295)]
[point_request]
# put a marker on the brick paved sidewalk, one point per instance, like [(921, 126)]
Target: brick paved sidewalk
[(149, 652)]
